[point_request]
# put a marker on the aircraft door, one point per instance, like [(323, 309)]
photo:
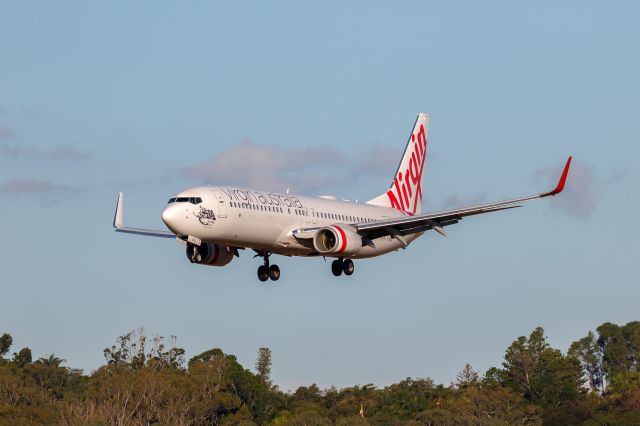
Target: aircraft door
[(314, 218), (222, 205)]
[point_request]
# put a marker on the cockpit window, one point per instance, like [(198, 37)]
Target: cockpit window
[(192, 200)]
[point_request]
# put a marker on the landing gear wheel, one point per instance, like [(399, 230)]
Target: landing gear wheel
[(193, 253), (336, 267), (274, 272), (263, 273), (347, 266)]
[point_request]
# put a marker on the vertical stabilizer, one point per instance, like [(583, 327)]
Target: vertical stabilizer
[(405, 192)]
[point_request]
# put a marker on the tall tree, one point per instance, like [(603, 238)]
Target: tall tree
[(468, 377), (613, 346), (517, 366), (587, 351), (540, 373), (263, 364)]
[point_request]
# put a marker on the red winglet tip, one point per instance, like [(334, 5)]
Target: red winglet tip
[(562, 180)]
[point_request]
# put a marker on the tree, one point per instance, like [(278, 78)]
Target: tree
[(517, 365), (613, 348), (22, 358), (263, 364), (132, 350), (468, 377), (540, 373), (587, 351), (5, 344)]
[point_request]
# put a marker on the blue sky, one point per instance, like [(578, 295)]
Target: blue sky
[(152, 97)]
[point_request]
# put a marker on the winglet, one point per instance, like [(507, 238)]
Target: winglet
[(117, 218), (561, 182)]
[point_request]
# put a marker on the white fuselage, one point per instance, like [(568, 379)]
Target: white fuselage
[(266, 220)]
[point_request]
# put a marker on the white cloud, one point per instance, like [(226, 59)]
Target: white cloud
[(583, 191), (306, 170), (29, 186)]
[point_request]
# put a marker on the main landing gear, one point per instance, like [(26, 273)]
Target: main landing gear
[(339, 266), (267, 271)]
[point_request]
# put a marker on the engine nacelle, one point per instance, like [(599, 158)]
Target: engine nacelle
[(209, 254), (337, 239)]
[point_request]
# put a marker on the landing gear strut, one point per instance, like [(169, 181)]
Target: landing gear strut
[(267, 271), (339, 266)]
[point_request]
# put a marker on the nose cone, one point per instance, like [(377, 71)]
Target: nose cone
[(171, 217)]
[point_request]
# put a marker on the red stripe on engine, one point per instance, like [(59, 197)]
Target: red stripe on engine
[(344, 239)]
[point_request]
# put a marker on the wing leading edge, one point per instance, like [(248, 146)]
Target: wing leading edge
[(118, 224), (437, 220)]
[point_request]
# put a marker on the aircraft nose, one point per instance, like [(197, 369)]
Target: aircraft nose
[(170, 217)]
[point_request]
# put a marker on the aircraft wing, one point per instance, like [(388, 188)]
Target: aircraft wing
[(118, 223), (397, 227)]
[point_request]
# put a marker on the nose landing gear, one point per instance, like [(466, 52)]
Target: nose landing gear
[(339, 266), (267, 271)]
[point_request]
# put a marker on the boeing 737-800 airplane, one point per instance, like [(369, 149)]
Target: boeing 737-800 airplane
[(215, 222)]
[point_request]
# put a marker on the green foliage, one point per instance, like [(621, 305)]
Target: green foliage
[(468, 377), (5, 344), (145, 381), (620, 347), (587, 352), (133, 351), (263, 364), (539, 373), (22, 358)]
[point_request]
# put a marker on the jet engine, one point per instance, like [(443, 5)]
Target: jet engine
[(209, 254), (337, 239)]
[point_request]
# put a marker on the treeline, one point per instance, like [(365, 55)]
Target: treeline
[(147, 381)]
